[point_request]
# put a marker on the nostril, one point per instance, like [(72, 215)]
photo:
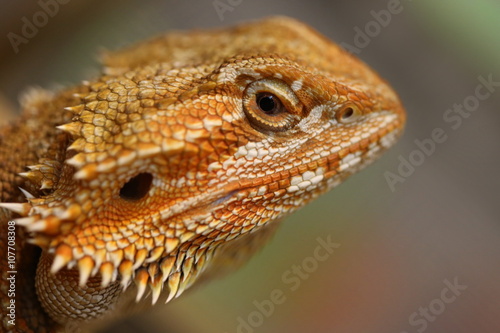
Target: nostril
[(348, 114), (137, 187)]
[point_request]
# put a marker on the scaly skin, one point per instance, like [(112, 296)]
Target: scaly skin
[(177, 163)]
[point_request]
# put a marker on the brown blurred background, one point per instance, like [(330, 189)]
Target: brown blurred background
[(396, 247)]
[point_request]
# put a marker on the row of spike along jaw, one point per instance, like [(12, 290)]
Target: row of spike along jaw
[(173, 267), (176, 271)]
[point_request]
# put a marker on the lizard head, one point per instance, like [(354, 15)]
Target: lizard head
[(179, 151)]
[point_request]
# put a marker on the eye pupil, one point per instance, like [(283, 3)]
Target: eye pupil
[(137, 187), (267, 103)]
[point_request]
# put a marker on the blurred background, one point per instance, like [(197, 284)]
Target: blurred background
[(420, 254)]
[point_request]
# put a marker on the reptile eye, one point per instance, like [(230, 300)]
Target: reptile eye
[(348, 113), (271, 105), (137, 187)]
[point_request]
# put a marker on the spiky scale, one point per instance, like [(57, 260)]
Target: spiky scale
[(166, 266), (85, 267), (141, 281), (73, 129), (116, 257), (39, 241), (155, 255), (47, 184), (126, 272), (107, 271), (62, 256), (19, 208), (156, 289), (99, 255), (49, 225), (173, 285), (140, 256), (155, 282), (27, 194), (77, 109), (26, 221), (187, 267)]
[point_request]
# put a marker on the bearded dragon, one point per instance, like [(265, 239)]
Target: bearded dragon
[(174, 164)]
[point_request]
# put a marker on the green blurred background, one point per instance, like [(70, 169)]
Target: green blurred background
[(396, 247)]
